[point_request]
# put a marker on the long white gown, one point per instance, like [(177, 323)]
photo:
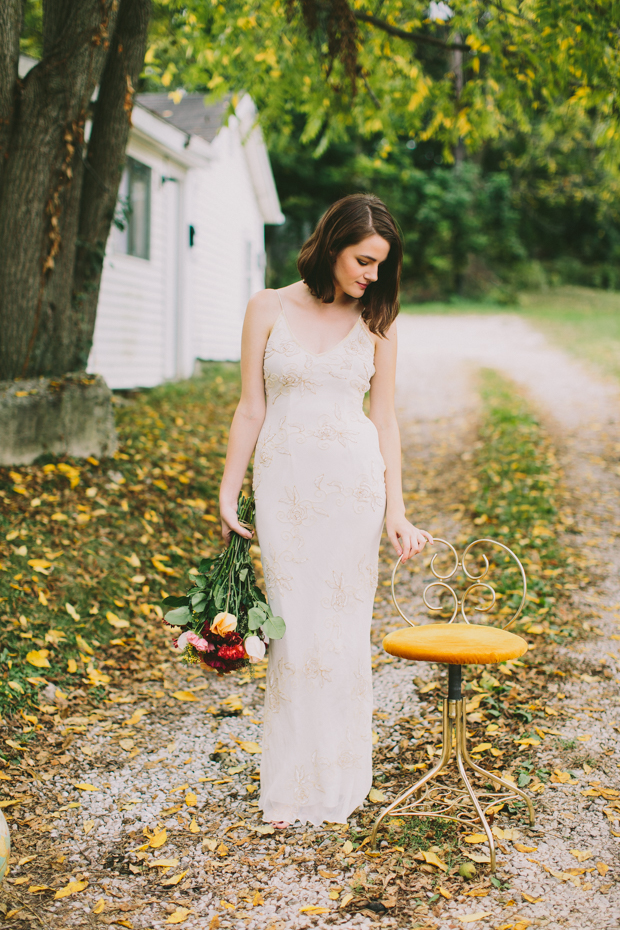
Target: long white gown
[(320, 504)]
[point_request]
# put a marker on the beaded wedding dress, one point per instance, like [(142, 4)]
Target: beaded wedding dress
[(320, 505)]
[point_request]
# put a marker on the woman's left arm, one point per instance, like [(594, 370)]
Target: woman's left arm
[(407, 539)]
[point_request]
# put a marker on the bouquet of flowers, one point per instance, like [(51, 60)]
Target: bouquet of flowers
[(224, 620)]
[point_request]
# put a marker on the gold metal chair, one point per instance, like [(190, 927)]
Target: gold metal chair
[(457, 644)]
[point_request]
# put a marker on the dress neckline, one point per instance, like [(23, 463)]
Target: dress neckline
[(303, 348)]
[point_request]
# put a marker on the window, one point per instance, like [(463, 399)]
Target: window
[(133, 233)]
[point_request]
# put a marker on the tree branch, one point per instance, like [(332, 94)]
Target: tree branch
[(104, 163), (414, 37)]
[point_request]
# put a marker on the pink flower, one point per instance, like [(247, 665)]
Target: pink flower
[(200, 644)]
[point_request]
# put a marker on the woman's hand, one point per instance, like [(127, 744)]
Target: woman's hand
[(406, 538), (230, 523)]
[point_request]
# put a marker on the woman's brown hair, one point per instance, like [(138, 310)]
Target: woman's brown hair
[(347, 222)]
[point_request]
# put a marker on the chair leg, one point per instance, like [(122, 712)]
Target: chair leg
[(415, 788), (454, 720), (496, 779), (460, 743)]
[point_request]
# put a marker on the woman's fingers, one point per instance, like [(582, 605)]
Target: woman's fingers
[(232, 525), (393, 537)]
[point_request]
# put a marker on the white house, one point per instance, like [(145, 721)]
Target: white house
[(195, 197)]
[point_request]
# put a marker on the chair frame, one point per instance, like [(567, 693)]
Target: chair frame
[(444, 801)]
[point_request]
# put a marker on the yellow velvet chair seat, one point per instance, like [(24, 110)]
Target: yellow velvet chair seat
[(455, 644)]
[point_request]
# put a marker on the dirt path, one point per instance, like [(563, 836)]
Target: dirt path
[(188, 765)]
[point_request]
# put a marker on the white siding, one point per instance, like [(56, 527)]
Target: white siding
[(135, 341), (227, 263)]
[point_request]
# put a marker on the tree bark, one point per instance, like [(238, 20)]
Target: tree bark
[(10, 27), (104, 166), (44, 195)]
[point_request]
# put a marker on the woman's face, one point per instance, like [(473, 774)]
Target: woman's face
[(357, 266)]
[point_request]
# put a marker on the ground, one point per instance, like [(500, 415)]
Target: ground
[(145, 813)]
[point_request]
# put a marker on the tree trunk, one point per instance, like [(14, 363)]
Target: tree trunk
[(43, 194), (104, 167)]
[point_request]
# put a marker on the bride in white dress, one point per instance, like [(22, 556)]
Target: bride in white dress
[(326, 477)]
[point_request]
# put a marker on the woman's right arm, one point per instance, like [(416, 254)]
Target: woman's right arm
[(259, 318)]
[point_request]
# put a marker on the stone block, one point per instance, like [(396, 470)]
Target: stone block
[(72, 415)]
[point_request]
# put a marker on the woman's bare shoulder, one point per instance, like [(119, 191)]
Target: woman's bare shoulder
[(262, 310)]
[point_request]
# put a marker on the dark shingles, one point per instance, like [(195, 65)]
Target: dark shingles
[(190, 115)]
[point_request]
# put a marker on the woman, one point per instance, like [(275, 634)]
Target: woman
[(325, 478)]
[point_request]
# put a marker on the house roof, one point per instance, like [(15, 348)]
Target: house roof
[(190, 114), (192, 117)]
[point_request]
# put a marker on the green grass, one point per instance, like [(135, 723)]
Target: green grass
[(583, 320), (88, 549), (515, 496)]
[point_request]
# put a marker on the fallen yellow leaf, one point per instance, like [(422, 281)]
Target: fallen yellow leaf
[(347, 847), (581, 854), (348, 897), (115, 621), (40, 565), (521, 848), (99, 906), (376, 796), (475, 838), (184, 696), (72, 666), (470, 918), (222, 850), (482, 747), (311, 909), (444, 893), (83, 645), (163, 863), (136, 717), (530, 899), (71, 888), (190, 799), (432, 859), (251, 747), (212, 844), (158, 839), (88, 825), (178, 916), (38, 658), (86, 786), (193, 827), (34, 889), (175, 879), (72, 612), (602, 868)]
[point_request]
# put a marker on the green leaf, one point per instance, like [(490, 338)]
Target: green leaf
[(173, 601), (219, 596), (274, 627), (256, 617), (201, 582), (243, 574), (205, 565), (198, 601), (179, 617)]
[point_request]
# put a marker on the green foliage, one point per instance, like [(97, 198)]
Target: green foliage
[(542, 73), (515, 497)]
